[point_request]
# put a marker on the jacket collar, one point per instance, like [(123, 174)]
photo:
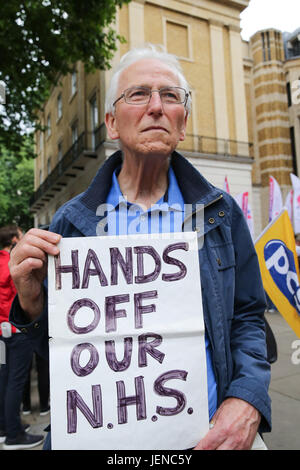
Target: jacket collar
[(81, 211), (194, 187)]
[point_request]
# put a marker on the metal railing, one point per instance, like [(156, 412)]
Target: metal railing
[(89, 142), (212, 145), (99, 136), (86, 142)]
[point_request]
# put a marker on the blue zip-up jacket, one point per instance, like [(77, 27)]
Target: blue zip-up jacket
[(232, 293)]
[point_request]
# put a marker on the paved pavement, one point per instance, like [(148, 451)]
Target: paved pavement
[(284, 389), (284, 392)]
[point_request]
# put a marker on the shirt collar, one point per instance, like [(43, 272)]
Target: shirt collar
[(171, 200)]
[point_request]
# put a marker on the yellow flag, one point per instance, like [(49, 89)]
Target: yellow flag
[(276, 250)]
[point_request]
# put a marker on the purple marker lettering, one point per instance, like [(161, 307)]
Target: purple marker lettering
[(160, 389), (140, 309), (97, 271), (141, 276), (74, 401), (149, 348), (139, 400), (169, 260), (91, 364), (74, 309), (111, 313), (110, 352), (72, 268), (126, 266)]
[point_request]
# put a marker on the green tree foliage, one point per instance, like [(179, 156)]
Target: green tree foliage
[(16, 188), (40, 39)]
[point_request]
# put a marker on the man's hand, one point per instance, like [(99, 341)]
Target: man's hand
[(28, 268), (235, 425)]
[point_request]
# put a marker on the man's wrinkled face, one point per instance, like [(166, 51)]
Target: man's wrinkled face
[(153, 128)]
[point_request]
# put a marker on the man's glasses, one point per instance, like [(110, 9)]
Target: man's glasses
[(142, 95)]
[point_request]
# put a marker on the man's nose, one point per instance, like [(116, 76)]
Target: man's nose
[(155, 103)]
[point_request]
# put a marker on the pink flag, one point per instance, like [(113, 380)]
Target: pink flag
[(226, 185), (275, 198), (250, 220), (289, 204), (296, 202), (242, 200)]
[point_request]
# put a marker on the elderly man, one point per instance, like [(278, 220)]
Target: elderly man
[(147, 110)]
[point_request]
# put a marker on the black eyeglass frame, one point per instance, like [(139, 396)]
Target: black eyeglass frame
[(150, 94)]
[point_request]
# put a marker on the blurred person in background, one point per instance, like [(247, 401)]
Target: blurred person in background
[(18, 355), (41, 366)]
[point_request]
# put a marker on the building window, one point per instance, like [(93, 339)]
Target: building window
[(295, 46), (49, 166), (73, 82), (59, 106), (94, 113), (60, 152), (40, 177), (48, 125), (94, 118), (289, 96), (293, 147), (74, 129), (263, 46), (278, 45), (268, 45), (177, 39)]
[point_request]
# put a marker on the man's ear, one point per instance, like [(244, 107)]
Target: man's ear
[(111, 125), (183, 129)]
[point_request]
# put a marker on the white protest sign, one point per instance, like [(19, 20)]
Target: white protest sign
[(127, 347)]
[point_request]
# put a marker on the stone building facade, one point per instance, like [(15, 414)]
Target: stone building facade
[(272, 115)]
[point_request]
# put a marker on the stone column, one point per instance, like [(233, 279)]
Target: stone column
[(105, 76), (238, 90), (136, 23), (219, 82)]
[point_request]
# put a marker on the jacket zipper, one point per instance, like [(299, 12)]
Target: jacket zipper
[(207, 327)]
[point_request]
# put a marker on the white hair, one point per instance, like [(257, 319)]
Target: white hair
[(149, 51)]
